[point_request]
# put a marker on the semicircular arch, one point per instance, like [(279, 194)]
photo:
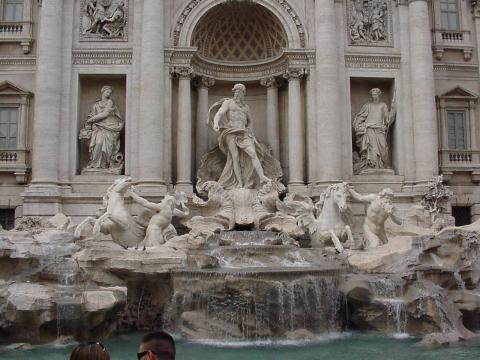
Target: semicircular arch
[(190, 15)]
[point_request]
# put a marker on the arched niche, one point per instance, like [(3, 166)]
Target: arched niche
[(192, 13)]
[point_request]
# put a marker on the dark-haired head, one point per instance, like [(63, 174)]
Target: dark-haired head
[(90, 351), (157, 345)]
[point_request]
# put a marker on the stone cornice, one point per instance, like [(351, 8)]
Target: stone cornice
[(18, 60), (456, 67), (363, 61), (102, 57), (252, 71)]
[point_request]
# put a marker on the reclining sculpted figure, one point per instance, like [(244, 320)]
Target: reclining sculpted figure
[(160, 228)]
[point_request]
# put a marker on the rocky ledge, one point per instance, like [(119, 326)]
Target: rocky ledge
[(53, 284)]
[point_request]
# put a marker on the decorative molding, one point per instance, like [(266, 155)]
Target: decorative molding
[(293, 73), (102, 57), (270, 81), (253, 71), (372, 61), (194, 3), (203, 82), (295, 19), (18, 60), (369, 23), (110, 17), (455, 67), (184, 72)]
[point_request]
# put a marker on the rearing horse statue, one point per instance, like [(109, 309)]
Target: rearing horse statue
[(328, 220)]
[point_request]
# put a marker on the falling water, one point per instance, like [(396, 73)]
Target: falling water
[(256, 305), (459, 280), (389, 294)]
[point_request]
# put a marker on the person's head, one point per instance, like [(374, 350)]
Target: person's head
[(90, 351), (107, 91), (157, 346), (239, 90), (387, 194), (376, 93)]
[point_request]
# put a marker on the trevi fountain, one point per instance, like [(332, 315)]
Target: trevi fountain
[(243, 261), (264, 179)]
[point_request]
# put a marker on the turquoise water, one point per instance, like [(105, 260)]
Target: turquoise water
[(345, 347)]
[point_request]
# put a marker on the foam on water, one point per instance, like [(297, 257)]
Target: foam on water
[(327, 337)]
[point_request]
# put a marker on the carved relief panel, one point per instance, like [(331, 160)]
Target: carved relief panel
[(104, 20), (369, 22)]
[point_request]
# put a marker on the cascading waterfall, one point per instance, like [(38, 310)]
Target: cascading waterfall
[(255, 305), (389, 294)]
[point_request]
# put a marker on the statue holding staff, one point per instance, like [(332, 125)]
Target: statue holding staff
[(371, 127)]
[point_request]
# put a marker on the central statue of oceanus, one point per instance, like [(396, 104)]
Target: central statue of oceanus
[(239, 160)]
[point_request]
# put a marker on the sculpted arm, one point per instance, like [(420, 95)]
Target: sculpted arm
[(218, 116), (367, 198), (180, 213), (107, 111), (145, 203)]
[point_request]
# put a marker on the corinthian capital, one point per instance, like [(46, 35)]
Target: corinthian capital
[(204, 82), (295, 73), (271, 81), (184, 72)]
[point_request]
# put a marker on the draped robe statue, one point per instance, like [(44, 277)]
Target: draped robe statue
[(102, 129), (244, 154), (371, 127)]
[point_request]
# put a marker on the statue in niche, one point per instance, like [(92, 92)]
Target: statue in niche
[(380, 208), (368, 22), (102, 129), (239, 161), (371, 129), (104, 19), (160, 228)]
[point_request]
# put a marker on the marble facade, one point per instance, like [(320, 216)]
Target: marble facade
[(307, 65)]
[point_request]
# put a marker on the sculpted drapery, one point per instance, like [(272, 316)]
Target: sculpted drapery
[(102, 129), (371, 125)]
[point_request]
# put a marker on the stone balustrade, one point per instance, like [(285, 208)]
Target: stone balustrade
[(453, 40), (17, 31), (16, 161)]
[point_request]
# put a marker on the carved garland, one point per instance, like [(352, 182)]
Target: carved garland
[(283, 3)]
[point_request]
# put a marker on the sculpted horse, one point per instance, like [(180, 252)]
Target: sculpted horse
[(328, 220), (117, 220)]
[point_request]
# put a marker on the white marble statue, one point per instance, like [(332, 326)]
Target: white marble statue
[(117, 221), (328, 220), (380, 208), (371, 126), (102, 128), (232, 122), (160, 228)]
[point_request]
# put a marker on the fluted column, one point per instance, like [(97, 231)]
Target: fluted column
[(405, 115), (295, 129), (423, 91), (150, 151), (329, 136), (201, 131), (48, 93), (273, 126), (184, 130)]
